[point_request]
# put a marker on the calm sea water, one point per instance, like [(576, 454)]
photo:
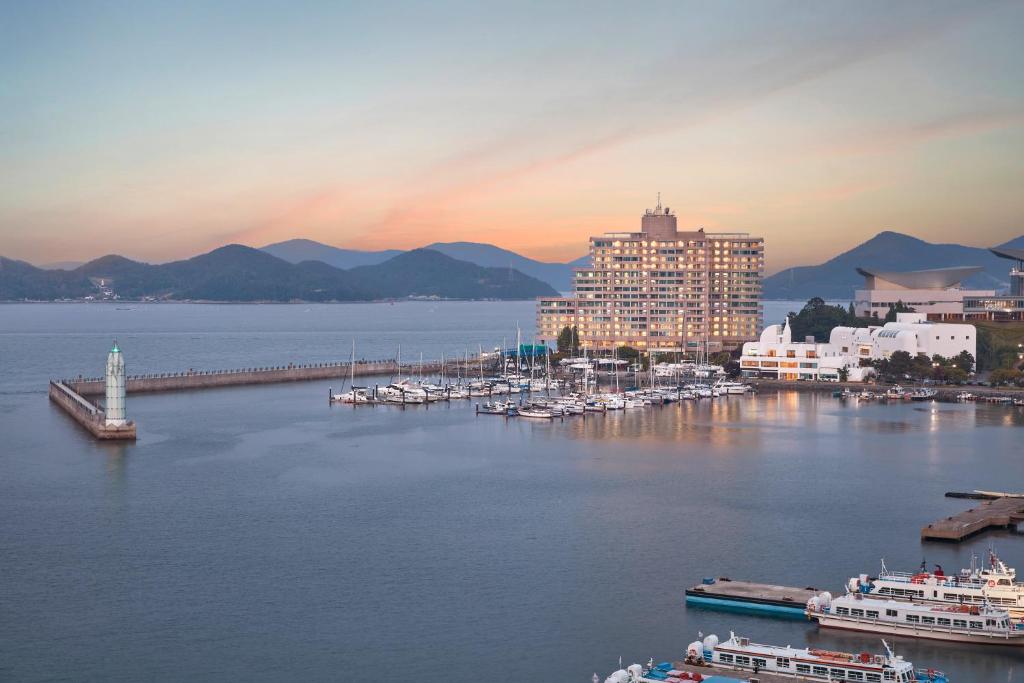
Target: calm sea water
[(261, 534)]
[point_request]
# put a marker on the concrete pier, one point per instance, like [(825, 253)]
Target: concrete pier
[(999, 513), (208, 379), (88, 414)]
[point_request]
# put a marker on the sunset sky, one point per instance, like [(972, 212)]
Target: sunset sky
[(163, 130)]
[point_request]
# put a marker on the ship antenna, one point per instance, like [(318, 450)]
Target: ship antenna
[(888, 649)]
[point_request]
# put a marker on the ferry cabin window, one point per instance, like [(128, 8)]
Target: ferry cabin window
[(782, 662), (977, 624), (874, 677), (890, 613), (855, 675), (821, 671), (872, 614), (943, 622), (913, 618), (724, 658), (960, 623), (803, 668), (742, 660), (838, 674), (760, 663), (890, 675), (927, 620), (842, 610), (857, 612)]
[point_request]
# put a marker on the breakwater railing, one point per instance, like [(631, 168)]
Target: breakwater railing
[(292, 372), (88, 414)]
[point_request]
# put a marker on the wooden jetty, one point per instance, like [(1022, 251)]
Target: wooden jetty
[(724, 592), (998, 512), (88, 414)]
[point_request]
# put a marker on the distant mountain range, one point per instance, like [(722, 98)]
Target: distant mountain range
[(558, 275), (837, 278), (306, 270), (240, 273)]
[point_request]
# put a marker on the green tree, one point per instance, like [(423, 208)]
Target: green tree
[(569, 340), (844, 374), (817, 319), (1004, 376), (851, 311), (899, 364), (898, 307), (720, 358), (964, 361)]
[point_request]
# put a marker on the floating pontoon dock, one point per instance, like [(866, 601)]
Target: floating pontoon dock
[(723, 592)]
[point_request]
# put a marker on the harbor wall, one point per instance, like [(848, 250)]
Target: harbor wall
[(208, 379), (88, 414)]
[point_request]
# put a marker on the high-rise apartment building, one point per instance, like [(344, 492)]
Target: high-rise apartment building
[(662, 289)]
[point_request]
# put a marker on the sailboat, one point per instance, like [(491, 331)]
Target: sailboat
[(355, 395)]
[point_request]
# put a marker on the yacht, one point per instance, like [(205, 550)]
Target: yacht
[(506, 408), (355, 395), (725, 387), (981, 624), (739, 656), (996, 585), (536, 412), (403, 392)]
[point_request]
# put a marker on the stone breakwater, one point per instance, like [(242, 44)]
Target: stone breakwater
[(88, 414), (210, 379)]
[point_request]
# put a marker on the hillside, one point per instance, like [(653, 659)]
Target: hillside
[(299, 250), (837, 278), (424, 272), (239, 273), (558, 275)]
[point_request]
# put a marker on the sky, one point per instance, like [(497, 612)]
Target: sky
[(163, 130)]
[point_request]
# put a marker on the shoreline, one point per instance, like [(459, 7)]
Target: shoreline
[(946, 392)]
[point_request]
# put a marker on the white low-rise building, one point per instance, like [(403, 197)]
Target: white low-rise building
[(775, 354), (912, 332)]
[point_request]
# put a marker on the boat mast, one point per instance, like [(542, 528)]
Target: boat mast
[(352, 381)]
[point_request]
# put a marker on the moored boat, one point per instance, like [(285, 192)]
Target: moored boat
[(995, 585), (982, 624), (740, 656), (506, 408)]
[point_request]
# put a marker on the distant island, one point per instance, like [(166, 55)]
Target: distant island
[(236, 273)]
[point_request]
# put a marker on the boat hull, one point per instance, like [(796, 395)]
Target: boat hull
[(898, 629)]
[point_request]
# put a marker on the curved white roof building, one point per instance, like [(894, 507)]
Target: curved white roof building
[(938, 292)]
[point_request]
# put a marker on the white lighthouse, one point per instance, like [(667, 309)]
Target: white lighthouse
[(115, 388)]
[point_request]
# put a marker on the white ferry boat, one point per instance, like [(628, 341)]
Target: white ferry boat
[(983, 624), (996, 585), (711, 658)]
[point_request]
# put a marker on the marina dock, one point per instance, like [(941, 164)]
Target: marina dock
[(724, 592), (997, 513)]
